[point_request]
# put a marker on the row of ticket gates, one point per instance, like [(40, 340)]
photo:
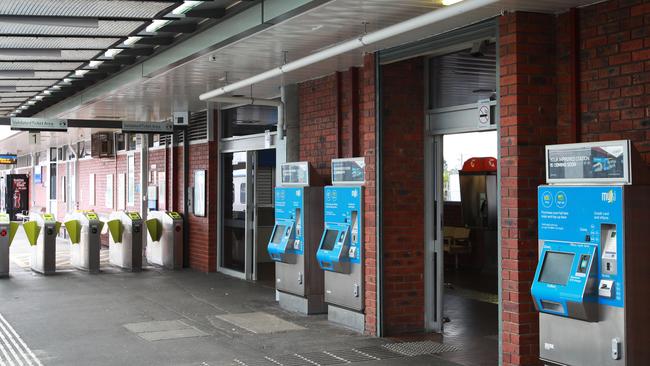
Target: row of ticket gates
[(84, 228), (317, 242)]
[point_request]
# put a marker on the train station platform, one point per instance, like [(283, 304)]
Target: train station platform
[(160, 317)]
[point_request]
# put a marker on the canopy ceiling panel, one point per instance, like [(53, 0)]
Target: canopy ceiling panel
[(39, 75), (119, 28), (84, 8), (40, 66), (67, 55), (28, 82), (57, 42)]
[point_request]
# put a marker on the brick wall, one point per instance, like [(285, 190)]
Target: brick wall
[(337, 119), (614, 39), (403, 207), (528, 123)]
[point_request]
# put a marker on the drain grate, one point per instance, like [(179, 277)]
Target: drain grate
[(412, 349), (345, 356)]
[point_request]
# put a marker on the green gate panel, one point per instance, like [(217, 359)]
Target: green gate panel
[(32, 230), (155, 229), (13, 229), (116, 230), (74, 231)]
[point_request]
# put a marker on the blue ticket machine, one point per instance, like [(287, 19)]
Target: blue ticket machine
[(294, 241), (340, 253), (591, 284)]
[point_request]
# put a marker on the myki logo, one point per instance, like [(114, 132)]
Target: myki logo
[(609, 196), (547, 199)]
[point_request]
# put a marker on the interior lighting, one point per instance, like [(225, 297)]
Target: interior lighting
[(185, 7)]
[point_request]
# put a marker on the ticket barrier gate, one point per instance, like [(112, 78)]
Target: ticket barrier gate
[(165, 239), (84, 230), (591, 283), (41, 231), (7, 233), (125, 240), (294, 241), (340, 253)]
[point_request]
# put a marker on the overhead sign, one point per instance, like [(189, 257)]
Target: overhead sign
[(348, 171), (8, 159), (602, 162), (147, 127), (38, 124)]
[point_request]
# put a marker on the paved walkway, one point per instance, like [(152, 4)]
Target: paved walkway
[(174, 318)]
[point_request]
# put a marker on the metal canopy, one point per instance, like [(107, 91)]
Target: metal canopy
[(56, 48), (166, 83)]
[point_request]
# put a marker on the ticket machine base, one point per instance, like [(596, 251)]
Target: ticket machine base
[(348, 318), (303, 305)]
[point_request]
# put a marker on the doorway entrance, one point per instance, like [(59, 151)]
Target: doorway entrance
[(247, 214), (462, 283)]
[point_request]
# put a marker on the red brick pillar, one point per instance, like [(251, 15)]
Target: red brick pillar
[(528, 114)]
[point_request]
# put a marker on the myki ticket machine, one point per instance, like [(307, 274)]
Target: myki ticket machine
[(41, 231), (125, 240), (295, 238), (165, 239), (340, 253), (591, 285), (84, 230)]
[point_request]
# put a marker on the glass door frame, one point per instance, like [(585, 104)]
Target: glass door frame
[(249, 144)]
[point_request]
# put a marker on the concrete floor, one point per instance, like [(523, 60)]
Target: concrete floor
[(73, 318)]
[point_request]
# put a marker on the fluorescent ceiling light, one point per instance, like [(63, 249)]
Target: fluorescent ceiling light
[(185, 7), (131, 40), (8, 88), (75, 22), (94, 63), (156, 24), (112, 52), (450, 2), (30, 52), (17, 73)]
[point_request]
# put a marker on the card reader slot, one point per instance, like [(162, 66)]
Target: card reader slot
[(552, 306)]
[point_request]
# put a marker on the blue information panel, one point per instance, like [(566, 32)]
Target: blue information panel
[(573, 219), (287, 237), (341, 241)]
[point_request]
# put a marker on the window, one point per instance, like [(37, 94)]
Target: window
[(249, 120), (457, 149), (242, 193)]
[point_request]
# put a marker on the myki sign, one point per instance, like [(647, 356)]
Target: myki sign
[(38, 124)]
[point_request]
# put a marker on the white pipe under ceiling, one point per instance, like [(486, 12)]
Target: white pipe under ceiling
[(363, 41)]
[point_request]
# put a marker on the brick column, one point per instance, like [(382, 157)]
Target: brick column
[(528, 113)]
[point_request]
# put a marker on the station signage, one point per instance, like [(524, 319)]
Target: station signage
[(349, 171), (295, 173), (602, 162), (8, 159), (38, 124), (147, 127)]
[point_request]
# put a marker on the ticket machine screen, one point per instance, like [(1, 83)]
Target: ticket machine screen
[(278, 234), (330, 239), (556, 268)]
